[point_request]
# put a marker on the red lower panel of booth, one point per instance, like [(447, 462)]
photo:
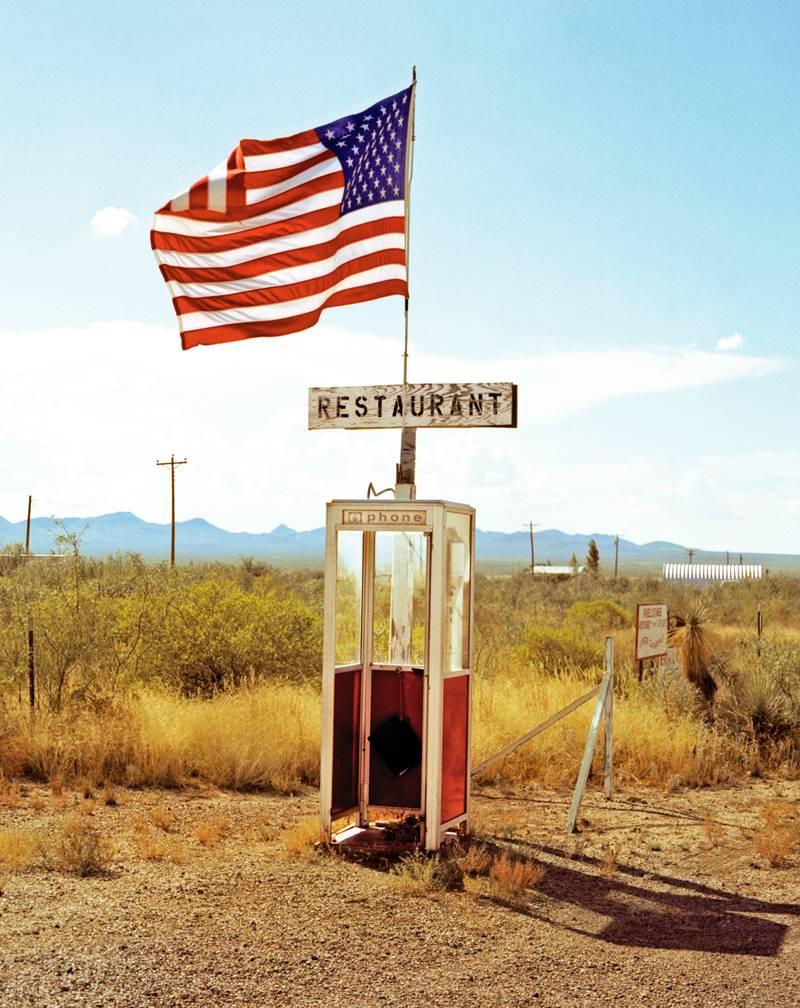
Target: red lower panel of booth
[(455, 735), (395, 695), (346, 719)]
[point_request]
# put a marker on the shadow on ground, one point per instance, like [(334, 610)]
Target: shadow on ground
[(666, 913)]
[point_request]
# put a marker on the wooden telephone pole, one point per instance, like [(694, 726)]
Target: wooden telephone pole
[(172, 463), (531, 526), (616, 555), (28, 528)]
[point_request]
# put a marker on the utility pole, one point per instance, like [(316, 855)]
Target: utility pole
[(172, 463), (531, 526), (616, 556), (28, 528), (727, 557)]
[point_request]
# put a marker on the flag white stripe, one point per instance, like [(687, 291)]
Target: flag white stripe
[(218, 187), (290, 274), (179, 202), (217, 229), (300, 239), (264, 313), (283, 159), (326, 167)]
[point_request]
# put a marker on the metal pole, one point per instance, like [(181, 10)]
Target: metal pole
[(406, 474), (608, 768), (31, 666), (588, 752)]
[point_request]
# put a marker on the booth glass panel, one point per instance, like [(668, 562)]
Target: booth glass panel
[(458, 587), (348, 598), (400, 599)]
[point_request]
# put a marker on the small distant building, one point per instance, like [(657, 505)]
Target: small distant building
[(712, 572)]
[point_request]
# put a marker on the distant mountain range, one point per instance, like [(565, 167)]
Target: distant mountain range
[(497, 552)]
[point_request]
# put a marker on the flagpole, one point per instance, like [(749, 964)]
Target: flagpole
[(406, 470)]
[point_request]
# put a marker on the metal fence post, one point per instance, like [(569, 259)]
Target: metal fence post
[(608, 770), (591, 741)]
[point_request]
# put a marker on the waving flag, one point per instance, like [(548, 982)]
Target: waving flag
[(285, 228)]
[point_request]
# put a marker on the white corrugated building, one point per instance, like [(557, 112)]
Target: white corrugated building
[(712, 572)]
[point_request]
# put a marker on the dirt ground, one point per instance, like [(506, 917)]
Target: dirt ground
[(659, 900)]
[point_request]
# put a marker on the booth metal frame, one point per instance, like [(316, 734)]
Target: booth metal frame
[(446, 709)]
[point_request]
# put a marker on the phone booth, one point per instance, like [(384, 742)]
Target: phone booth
[(396, 673)]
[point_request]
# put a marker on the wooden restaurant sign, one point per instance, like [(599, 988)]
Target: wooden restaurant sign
[(491, 404)]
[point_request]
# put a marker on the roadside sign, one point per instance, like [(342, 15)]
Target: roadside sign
[(651, 630), (486, 404), (670, 662)]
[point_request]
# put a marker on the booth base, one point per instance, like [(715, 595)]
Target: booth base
[(381, 841)]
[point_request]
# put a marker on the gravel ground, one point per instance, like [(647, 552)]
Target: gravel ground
[(660, 900)]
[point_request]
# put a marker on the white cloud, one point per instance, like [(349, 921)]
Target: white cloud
[(111, 221), (85, 435), (730, 342)]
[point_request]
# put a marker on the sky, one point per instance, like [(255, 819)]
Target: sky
[(605, 210)]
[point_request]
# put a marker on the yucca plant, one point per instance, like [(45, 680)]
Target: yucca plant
[(695, 640)]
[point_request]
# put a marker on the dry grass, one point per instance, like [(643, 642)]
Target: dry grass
[(422, 874), (657, 740), (268, 737), (779, 834), (18, 848), (152, 846), (609, 860), (510, 877), (162, 819), (265, 737), (475, 860), (10, 793), (209, 832), (298, 841)]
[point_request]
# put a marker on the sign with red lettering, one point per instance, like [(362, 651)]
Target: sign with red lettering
[(651, 630), (450, 405)]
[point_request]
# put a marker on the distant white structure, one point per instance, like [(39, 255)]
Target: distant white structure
[(712, 572), (552, 569)]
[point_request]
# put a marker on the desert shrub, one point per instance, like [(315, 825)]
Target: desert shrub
[(77, 848), (420, 874), (214, 635), (554, 647), (597, 618), (695, 641)]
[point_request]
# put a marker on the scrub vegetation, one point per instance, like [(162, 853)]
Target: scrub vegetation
[(152, 676)]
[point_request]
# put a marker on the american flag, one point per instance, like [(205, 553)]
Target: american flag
[(283, 229)]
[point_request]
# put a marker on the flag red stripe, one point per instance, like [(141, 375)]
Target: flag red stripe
[(289, 292), (293, 257), (304, 139), (296, 323)]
